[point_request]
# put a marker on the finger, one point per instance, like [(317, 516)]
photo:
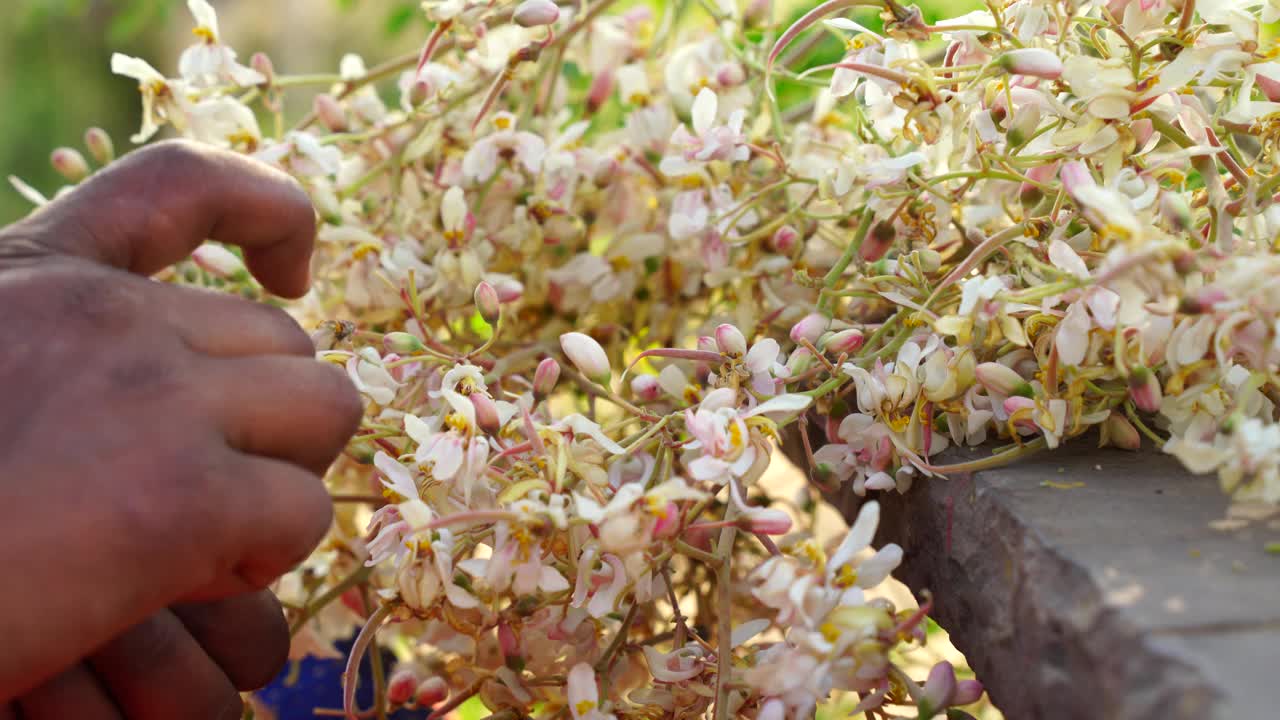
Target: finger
[(157, 671), (246, 635), (76, 693), (223, 325), (293, 409), (272, 515), (156, 205)]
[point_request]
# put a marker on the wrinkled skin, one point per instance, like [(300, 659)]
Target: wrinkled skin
[(160, 446)]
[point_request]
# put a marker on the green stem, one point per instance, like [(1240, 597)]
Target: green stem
[(833, 275)]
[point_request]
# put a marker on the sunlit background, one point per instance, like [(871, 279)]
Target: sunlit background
[(55, 82)]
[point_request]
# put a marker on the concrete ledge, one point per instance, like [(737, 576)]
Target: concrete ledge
[(1088, 583)]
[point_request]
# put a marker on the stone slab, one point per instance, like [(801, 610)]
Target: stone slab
[(1098, 584)]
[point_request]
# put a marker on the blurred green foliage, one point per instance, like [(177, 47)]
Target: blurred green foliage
[(55, 55)]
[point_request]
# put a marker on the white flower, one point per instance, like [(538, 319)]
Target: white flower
[(708, 140), (162, 101), (481, 161), (209, 62), (844, 570)]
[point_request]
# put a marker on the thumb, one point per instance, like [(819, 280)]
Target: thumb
[(156, 205)]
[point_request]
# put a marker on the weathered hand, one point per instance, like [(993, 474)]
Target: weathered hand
[(159, 445)]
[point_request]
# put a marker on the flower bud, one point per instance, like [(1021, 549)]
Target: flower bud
[(509, 289), (330, 113), (587, 355), (707, 343), (546, 377), (784, 240), (845, 341), (533, 13), (419, 92), (487, 418), (928, 260), (939, 689), (487, 302), (1001, 380), (766, 521), (877, 243), (431, 692), (262, 63), (100, 146), (730, 341), (507, 640), (809, 328), (403, 682), (402, 343), (1036, 62), (1075, 177), (1175, 210), (1144, 389), (605, 171), (600, 90), (646, 388), (730, 74), (1117, 431), (1269, 86), (772, 709), (967, 692), (219, 262), (70, 164)]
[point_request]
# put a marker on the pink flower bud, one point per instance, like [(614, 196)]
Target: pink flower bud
[(784, 240), (419, 91), (605, 171), (509, 289), (70, 164), (533, 13), (100, 146), (707, 343), (877, 243), (1144, 389), (646, 388), (730, 341), (546, 377), (507, 640), (330, 113), (1075, 177), (845, 341), (939, 688), (967, 692), (402, 343), (601, 88), (402, 683), (1117, 431), (487, 302), (219, 262), (487, 418), (766, 521), (1001, 380), (809, 328), (1035, 62), (587, 355), (1269, 87), (262, 63), (730, 74), (431, 692)]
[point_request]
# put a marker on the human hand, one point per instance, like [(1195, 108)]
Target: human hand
[(159, 445)]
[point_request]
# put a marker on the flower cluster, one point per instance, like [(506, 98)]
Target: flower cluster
[(589, 268)]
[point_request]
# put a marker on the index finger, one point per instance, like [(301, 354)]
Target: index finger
[(156, 205)]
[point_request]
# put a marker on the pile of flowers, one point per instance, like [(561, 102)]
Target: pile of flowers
[(588, 267)]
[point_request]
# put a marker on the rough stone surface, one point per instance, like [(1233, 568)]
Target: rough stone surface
[(1099, 584)]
